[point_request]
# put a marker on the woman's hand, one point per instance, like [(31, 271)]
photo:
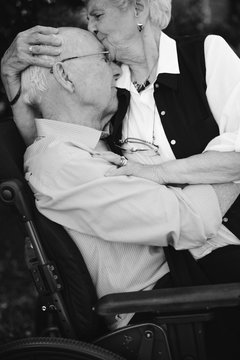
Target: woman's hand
[(149, 172), (23, 51)]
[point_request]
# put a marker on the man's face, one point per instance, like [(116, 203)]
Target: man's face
[(94, 80)]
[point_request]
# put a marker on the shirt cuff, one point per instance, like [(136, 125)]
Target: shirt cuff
[(205, 201), (225, 142)]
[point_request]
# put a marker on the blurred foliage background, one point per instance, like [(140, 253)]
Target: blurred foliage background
[(17, 297)]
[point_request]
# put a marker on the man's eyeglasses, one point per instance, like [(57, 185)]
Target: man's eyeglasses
[(132, 145), (106, 53)]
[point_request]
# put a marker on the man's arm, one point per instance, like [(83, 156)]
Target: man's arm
[(121, 209)]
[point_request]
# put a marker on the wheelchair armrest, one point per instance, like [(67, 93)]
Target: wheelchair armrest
[(13, 192), (170, 300)]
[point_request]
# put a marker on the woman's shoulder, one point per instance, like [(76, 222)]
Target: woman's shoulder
[(218, 49), (205, 44), (191, 40)]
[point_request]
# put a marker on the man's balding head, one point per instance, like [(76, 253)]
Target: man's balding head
[(35, 78), (81, 82)]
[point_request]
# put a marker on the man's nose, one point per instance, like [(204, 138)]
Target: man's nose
[(117, 71)]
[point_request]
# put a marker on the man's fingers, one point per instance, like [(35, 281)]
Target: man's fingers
[(114, 172), (108, 156), (123, 170)]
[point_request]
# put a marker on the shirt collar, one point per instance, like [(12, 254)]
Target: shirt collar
[(168, 59), (68, 131), (167, 62)]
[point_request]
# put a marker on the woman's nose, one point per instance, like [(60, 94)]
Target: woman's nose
[(92, 26)]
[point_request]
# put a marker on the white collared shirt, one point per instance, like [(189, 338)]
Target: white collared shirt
[(119, 223), (223, 94)]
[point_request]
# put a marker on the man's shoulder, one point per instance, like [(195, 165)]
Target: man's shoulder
[(48, 153)]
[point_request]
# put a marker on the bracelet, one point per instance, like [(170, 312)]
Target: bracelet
[(15, 99)]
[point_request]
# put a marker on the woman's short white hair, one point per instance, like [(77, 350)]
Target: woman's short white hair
[(160, 10)]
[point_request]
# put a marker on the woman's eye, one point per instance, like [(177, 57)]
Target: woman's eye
[(97, 16)]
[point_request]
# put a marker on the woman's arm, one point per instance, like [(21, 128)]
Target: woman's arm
[(211, 167), (226, 192), (38, 40)]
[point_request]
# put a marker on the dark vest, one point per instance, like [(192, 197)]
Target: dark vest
[(188, 122)]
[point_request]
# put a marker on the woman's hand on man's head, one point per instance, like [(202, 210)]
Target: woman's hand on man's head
[(23, 51)]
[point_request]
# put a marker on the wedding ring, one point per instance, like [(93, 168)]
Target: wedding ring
[(123, 161), (30, 49)]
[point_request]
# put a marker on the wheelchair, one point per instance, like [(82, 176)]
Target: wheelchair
[(71, 318)]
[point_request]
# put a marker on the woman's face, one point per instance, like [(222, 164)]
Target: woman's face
[(114, 27)]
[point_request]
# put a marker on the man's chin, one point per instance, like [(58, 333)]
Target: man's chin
[(110, 113)]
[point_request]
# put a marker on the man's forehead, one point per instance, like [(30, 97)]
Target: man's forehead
[(95, 44), (83, 44)]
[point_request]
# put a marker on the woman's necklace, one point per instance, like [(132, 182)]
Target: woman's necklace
[(142, 86)]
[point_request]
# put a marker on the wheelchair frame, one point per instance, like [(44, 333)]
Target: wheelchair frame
[(139, 341)]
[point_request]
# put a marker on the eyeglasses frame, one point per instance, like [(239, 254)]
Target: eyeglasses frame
[(81, 56), (132, 140)]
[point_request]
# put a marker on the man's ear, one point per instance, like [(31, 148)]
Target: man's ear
[(139, 7), (62, 77)]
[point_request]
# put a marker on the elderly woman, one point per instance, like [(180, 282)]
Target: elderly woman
[(177, 99), (179, 111)]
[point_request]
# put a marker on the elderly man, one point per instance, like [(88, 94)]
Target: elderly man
[(120, 224)]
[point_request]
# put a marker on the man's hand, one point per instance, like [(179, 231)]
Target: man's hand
[(148, 172)]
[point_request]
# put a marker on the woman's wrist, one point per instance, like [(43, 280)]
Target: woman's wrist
[(12, 85)]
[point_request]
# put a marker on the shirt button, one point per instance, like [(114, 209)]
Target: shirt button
[(225, 219), (173, 142), (163, 113), (157, 86)]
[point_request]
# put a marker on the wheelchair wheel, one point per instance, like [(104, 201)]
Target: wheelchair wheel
[(54, 349)]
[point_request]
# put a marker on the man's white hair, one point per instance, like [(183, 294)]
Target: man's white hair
[(34, 79), (34, 82)]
